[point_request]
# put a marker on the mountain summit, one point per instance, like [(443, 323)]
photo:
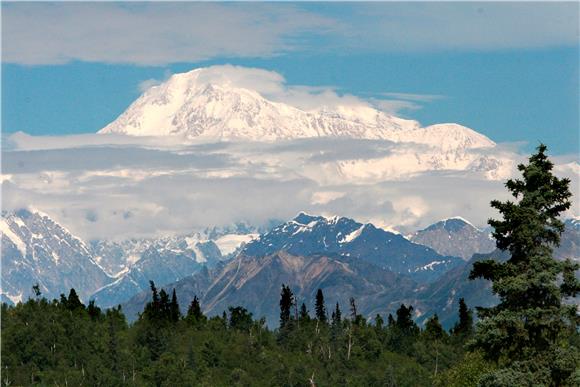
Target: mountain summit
[(209, 103)]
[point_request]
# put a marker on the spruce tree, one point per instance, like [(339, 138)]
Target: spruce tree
[(405, 319), (164, 305), (194, 313), (304, 315), (174, 312), (73, 301), (526, 333), (286, 302), (433, 328), (336, 315), (464, 326), (319, 307)]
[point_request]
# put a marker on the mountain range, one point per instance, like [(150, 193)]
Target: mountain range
[(345, 258)]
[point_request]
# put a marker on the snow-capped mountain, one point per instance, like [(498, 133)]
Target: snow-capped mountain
[(306, 235), (196, 105), (167, 260), (37, 250), (456, 237)]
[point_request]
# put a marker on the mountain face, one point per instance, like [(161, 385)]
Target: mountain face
[(254, 283), (455, 237), (36, 249), (306, 235), (197, 105), (162, 260), (570, 241)]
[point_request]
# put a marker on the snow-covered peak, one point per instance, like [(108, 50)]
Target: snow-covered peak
[(210, 103)]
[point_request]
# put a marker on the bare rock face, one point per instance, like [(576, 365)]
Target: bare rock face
[(456, 237), (254, 283)]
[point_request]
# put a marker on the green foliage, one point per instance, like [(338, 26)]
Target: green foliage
[(527, 334), (319, 307), (46, 343)]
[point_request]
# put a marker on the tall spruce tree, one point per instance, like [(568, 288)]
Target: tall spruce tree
[(194, 313), (320, 307), (286, 302), (174, 312), (526, 333), (464, 326)]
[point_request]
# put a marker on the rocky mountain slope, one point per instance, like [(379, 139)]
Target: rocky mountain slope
[(308, 234), (254, 282), (456, 237), (36, 249), (161, 263)]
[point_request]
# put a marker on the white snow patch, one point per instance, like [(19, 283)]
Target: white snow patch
[(352, 236), (229, 243), (55, 257), (20, 245)]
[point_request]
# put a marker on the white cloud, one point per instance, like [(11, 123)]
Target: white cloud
[(142, 187), (438, 26), (161, 33), (151, 33)]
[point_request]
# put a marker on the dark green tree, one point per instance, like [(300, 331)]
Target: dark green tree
[(286, 302), (464, 326), (433, 328), (240, 319), (194, 313), (304, 315), (319, 307), (174, 312), (93, 310), (526, 332), (336, 316), (405, 319), (164, 305), (73, 301)]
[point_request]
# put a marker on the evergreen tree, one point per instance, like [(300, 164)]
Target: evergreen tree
[(336, 316), (175, 314), (433, 328), (304, 315), (405, 319), (286, 302), (93, 310), (464, 326), (319, 307), (525, 332), (240, 319), (194, 313), (164, 305), (73, 301)]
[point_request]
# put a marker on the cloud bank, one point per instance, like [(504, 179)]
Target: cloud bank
[(116, 187)]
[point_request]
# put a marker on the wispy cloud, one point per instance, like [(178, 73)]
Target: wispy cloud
[(162, 33), (151, 33)]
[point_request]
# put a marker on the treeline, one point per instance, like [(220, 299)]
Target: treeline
[(63, 342)]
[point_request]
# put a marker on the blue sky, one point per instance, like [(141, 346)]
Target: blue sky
[(73, 68)]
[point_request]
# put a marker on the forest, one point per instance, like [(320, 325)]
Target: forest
[(530, 338)]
